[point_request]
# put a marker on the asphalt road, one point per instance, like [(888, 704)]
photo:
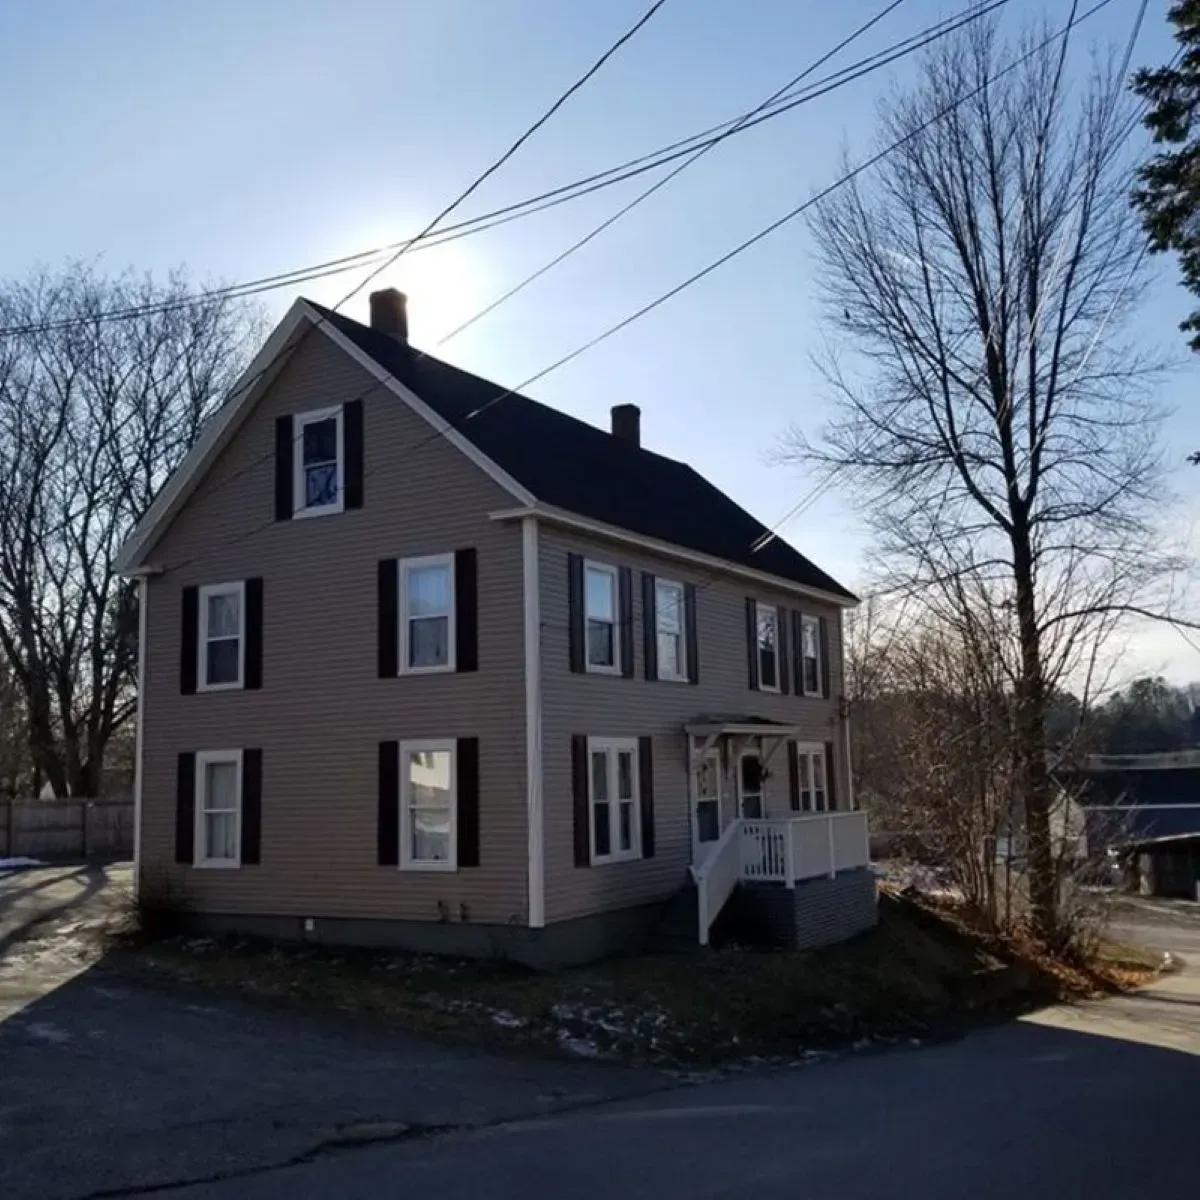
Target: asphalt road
[(1093, 1102)]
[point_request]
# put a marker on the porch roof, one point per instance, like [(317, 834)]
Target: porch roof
[(739, 726)]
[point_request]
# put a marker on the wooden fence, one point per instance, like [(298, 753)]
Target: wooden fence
[(66, 829)]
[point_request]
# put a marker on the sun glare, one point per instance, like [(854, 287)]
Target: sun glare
[(445, 286)]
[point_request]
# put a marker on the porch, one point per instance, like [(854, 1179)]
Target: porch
[(798, 859), (781, 854)]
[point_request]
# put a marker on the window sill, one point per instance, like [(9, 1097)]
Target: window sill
[(444, 669), (217, 864), (595, 669), (325, 510), (440, 868), (239, 686), (610, 859), (770, 691), (672, 679)]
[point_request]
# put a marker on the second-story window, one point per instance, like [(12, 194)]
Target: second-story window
[(669, 619), (427, 614), (319, 463), (221, 640), (767, 646), (810, 655), (600, 612)]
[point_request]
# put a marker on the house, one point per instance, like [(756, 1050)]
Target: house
[(1145, 808), (432, 665)]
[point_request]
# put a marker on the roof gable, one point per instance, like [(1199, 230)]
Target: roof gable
[(537, 453)]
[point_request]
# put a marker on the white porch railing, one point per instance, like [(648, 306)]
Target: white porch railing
[(788, 851), (784, 851), (716, 877)]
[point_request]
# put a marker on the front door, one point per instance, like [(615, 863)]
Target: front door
[(750, 785), (707, 799)]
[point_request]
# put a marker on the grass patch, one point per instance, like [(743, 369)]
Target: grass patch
[(921, 970)]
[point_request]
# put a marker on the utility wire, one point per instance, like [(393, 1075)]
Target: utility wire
[(549, 199), (446, 426), (694, 157)]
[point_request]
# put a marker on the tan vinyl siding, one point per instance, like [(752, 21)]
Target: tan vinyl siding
[(607, 706), (323, 710)]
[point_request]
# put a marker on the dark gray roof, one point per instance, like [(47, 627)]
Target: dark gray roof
[(575, 466)]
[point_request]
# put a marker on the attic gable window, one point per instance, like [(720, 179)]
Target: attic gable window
[(319, 463)]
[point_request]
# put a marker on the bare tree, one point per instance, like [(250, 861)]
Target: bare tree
[(995, 426), (94, 414)]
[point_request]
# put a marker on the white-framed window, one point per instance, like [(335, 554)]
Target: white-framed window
[(319, 463), (814, 787), (602, 629), (427, 614), (429, 805), (811, 682), (670, 630), (766, 622), (613, 799), (218, 808), (221, 644)]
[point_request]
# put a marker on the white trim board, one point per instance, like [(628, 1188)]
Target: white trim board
[(531, 587), (568, 520), (228, 419)]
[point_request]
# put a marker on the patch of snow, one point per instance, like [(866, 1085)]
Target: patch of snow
[(12, 864), (45, 1032), (507, 1020), (581, 1047)]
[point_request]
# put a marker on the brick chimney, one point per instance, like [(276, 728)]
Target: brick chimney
[(389, 313), (627, 423)]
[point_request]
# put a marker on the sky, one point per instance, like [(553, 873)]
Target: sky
[(247, 137)]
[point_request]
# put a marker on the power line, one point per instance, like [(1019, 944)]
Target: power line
[(841, 181), (695, 156), (562, 194)]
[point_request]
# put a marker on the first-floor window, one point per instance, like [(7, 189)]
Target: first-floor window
[(218, 808), (428, 800), (613, 798), (814, 787), (708, 798)]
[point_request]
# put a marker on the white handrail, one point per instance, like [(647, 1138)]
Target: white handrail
[(716, 877)]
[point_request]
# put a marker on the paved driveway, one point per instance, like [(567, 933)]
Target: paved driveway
[(1090, 1104), (108, 1085)]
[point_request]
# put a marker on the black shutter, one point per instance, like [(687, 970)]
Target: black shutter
[(251, 807), (388, 583), (185, 809), (649, 625), (468, 802), (752, 643), (830, 778), (781, 649), (188, 636), (254, 634), (798, 651), (284, 468), (625, 613), (793, 763), (823, 651), (388, 829), (691, 632), (352, 448), (646, 793), (575, 613), (582, 808), (466, 611)]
